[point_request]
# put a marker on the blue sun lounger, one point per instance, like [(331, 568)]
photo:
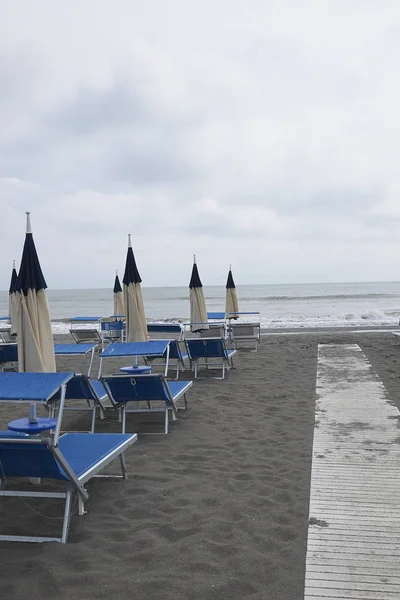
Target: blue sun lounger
[(74, 460), (123, 389), (176, 357), (9, 352), (151, 349), (76, 350), (85, 334), (210, 352)]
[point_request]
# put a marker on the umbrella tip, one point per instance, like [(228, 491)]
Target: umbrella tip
[(129, 241), (116, 272), (194, 259), (13, 264), (230, 267), (28, 223)]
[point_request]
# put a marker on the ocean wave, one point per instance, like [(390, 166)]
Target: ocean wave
[(320, 297), (373, 317)]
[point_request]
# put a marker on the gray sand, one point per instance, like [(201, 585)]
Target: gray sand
[(217, 509)]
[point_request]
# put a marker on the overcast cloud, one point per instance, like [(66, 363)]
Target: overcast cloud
[(262, 134)]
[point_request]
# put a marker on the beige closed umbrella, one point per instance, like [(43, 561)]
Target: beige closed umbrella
[(198, 311), (119, 309), (34, 335), (231, 301), (12, 308), (136, 326)]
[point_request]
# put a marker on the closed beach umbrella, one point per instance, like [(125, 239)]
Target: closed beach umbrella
[(198, 311), (35, 338), (136, 326), (11, 301), (231, 301), (118, 297)]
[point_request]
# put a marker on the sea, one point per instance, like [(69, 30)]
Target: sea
[(281, 306)]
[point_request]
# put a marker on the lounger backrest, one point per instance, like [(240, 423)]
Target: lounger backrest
[(174, 349), (6, 337), (213, 331), (245, 330), (8, 353), (27, 460), (112, 329), (207, 348), (85, 335), (141, 387), (170, 330), (77, 389)]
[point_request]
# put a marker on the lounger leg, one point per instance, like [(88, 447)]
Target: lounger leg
[(166, 420), (195, 369), (81, 506), (91, 362), (123, 466), (93, 416), (124, 418), (67, 516)]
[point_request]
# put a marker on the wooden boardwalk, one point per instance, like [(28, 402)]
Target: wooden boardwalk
[(353, 549)]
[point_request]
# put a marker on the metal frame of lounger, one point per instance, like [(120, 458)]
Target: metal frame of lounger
[(59, 467), (175, 353), (80, 387), (153, 388), (203, 349), (134, 349)]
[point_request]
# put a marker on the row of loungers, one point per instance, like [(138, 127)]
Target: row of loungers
[(75, 458), (193, 354), (111, 330)]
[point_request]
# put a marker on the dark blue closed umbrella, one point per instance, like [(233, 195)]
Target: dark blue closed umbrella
[(198, 311), (12, 309), (118, 297), (231, 301), (35, 338), (136, 325)]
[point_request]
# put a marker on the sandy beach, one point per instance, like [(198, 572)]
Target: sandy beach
[(217, 509)]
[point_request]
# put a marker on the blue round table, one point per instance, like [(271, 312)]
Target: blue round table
[(24, 426), (136, 370)]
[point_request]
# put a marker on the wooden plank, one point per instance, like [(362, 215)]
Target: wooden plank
[(353, 549)]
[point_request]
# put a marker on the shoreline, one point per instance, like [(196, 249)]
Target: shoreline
[(330, 330)]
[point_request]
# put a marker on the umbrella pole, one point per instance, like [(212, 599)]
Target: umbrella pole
[(33, 419), (32, 413)]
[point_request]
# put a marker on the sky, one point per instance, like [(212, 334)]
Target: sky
[(265, 135)]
